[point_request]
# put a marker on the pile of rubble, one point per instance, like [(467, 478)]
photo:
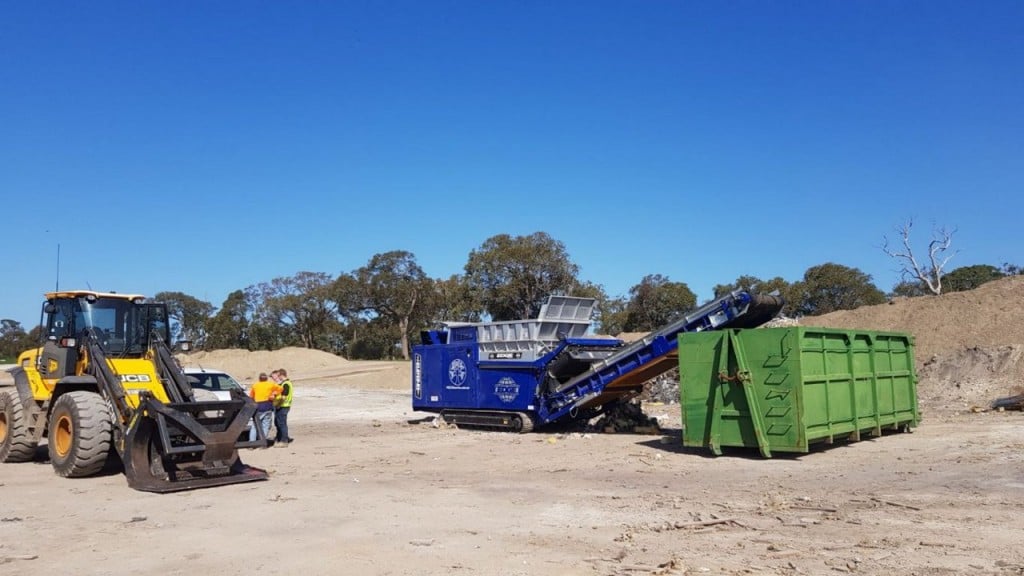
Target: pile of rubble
[(781, 321), (663, 389), (626, 417)]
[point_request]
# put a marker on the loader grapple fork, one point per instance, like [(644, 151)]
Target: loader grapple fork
[(180, 446)]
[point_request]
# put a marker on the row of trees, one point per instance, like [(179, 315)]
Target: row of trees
[(14, 339), (376, 311)]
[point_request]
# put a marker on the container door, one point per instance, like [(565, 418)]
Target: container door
[(459, 378)]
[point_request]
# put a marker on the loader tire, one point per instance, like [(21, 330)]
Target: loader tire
[(80, 434), (16, 445)]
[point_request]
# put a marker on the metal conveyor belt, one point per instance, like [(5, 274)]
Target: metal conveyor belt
[(625, 371)]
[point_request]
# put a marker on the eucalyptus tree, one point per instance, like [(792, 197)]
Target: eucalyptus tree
[(189, 316), (390, 290), (656, 301), (829, 287), (511, 276), (296, 308)]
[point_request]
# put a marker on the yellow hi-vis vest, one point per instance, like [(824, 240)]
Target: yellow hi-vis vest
[(286, 398)]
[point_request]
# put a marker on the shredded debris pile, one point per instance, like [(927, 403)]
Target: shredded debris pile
[(626, 417), (781, 322), (663, 389)]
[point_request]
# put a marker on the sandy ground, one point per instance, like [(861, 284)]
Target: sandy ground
[(370, 487)]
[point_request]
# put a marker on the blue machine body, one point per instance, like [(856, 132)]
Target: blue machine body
[(454, 377), (547, 369)]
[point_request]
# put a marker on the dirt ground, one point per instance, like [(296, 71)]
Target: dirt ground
[(371, 487)]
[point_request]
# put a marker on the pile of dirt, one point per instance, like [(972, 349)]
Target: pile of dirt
[(968, 344), (988, 316), (972, 377), (246, 365)]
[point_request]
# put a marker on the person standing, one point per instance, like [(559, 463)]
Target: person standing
[(276, 378), (265, 392), (282, 407)]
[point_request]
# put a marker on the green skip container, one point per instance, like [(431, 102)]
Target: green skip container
[(784, 389)]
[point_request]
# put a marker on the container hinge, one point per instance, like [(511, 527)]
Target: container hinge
[(742, 375)]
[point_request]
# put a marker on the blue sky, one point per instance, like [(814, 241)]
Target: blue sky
[(204, 147)]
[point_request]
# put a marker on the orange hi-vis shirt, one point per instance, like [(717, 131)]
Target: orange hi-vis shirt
[(263, 390)]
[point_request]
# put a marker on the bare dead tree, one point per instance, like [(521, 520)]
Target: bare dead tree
[(930, 274)]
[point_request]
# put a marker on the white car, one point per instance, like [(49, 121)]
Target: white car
[(217, 383)]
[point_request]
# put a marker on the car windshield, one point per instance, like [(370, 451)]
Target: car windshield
[(215, 382)]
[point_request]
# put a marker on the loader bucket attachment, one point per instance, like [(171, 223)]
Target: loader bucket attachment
[(188, 445)]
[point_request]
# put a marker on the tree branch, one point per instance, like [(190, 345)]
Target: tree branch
[(931, 277)]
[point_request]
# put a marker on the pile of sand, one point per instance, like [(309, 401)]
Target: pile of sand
[(971, 377), (990, 315), (246, 365)]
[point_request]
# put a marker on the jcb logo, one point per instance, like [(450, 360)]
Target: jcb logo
[(135, 378)]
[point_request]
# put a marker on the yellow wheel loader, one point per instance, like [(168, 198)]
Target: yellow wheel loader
[(104, 384)]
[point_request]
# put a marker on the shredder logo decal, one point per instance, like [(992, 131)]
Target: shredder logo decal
[(507, 389), (457, 375)]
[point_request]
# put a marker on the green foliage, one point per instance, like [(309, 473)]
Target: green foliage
[(188, 315), (970, 277), (588, 290), (910, 289), (611, 316), (268, 336), (393, 290), (296, 310), (609, 313), (511, 276), (455, 301), (229, 328), (14, 340), (789, 292), (656, 301), (372, 339), (830, 287)]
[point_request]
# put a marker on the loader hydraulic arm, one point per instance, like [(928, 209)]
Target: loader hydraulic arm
[(175, 381), (109, 382)]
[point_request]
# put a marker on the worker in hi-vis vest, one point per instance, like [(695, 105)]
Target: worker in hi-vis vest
[(266, 393), (282, 406)]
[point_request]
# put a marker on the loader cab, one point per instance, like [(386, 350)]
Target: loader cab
[(123, 324)]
